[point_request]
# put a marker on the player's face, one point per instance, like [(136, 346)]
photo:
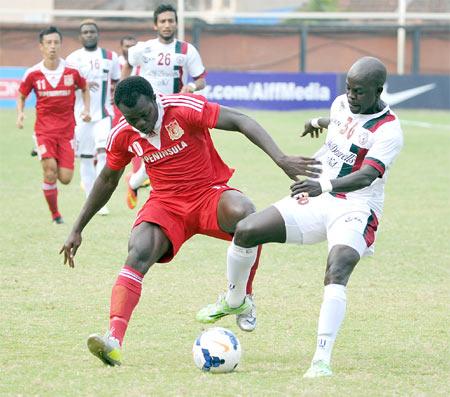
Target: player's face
[(125, 45), (142, 116), (362, 96), (89, 37), (166, 26), (50, 46)]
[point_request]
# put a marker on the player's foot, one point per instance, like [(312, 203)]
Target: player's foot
[(215, 311), (33, 153), (106, 348), (131, 193), (103, 211), (247, 321), (318, 369), (58, 220), (146, 183)]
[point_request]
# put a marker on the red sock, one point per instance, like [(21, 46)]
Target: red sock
[(51, 196), (253, 271), (136, 163), (124, 298)]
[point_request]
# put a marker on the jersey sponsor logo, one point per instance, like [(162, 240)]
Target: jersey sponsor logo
[(348, 158), (174, 130), (54, 93), (68, 80), (154, 157)]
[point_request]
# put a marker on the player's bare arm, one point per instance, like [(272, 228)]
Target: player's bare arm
[(86, 97), (196, 85), (349, 183), (315, 126), (104, 186), (20, 113), (232, 120), (126, 70)]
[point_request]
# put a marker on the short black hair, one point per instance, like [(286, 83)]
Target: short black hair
[(130, 89), (89, 21), (128, 38), (164, 8), (49, 30)]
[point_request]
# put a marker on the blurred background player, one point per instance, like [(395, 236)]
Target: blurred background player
[(344, 206), (166, 63), (191, 195), (54, 84), (100, 67)]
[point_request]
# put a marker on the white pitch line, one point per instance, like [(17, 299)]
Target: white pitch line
[(424, 124)]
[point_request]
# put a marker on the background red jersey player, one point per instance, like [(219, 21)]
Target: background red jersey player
[(54, 84)]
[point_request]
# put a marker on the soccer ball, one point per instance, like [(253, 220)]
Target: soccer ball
[(217, 350)]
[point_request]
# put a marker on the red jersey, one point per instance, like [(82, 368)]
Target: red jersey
[(180, 158), (55, 97)]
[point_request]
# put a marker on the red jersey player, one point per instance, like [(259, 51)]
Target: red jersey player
[(190, 193), (54, 84)]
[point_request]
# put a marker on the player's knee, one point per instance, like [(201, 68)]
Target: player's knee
[(338, 272), (241, 210), (50, 175), (245, 234), (138, 259)]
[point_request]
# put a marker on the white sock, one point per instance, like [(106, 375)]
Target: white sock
[(332, 314), (239, 263), (101, 161), (138, 178), (87, 174)]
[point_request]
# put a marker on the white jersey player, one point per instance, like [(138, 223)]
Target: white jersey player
[(101, 69), (344, 206), (167, 63)]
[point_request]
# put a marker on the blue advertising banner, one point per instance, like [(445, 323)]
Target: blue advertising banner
[(414, 91), (10, 78), (271, 91)]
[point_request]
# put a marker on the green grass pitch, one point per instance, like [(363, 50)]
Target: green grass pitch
[(394, 341)]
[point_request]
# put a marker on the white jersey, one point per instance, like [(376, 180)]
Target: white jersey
[(354, 140), (100, 67), (166, 66), (134, 70)]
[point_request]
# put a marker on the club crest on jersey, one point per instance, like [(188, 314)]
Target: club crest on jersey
[(68, 80), (363, 137), (174, 130)]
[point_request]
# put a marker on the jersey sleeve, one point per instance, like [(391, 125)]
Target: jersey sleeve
[(117, 154), (202, 113), (115, 72), (135, 54), (26, 85), (80, 81), (387, 146), (194, 62)]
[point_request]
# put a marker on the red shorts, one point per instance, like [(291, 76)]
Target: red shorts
[(181, 219), (59, 148)]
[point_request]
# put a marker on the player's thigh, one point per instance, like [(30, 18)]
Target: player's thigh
[(101, 132), (85, 143), (49, 169), (355, 229), (147, 245), (231, 208), (304, 220)]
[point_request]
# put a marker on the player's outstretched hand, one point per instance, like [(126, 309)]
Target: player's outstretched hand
[(93, 86), (295, 166), (70, 248), (20, 119), (309, 129), (306, 188)]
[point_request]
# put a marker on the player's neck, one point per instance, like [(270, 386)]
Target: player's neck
[(164, 41), (51, 64), (91, 49)]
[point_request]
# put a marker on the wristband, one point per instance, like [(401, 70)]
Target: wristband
[(192, 86), (325, 185), (315, 123)]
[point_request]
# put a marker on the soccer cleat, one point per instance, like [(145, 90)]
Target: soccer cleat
[(215, 311), (131, 193), (103, 211), (106, 348), (58, 220), (247, 321), (146, 183), (318, 369), (33, 153)]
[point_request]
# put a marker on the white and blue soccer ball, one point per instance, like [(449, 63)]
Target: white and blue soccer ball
[(217, 350)]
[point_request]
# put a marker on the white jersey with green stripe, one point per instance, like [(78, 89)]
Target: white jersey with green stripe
[(354, 140), (98, 67), (166, 66)]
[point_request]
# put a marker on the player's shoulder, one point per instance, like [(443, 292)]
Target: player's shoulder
[(119, 134), (182, 102), (33, 70)]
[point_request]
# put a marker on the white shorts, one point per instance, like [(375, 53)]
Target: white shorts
[(92, 136), (326, 217)]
